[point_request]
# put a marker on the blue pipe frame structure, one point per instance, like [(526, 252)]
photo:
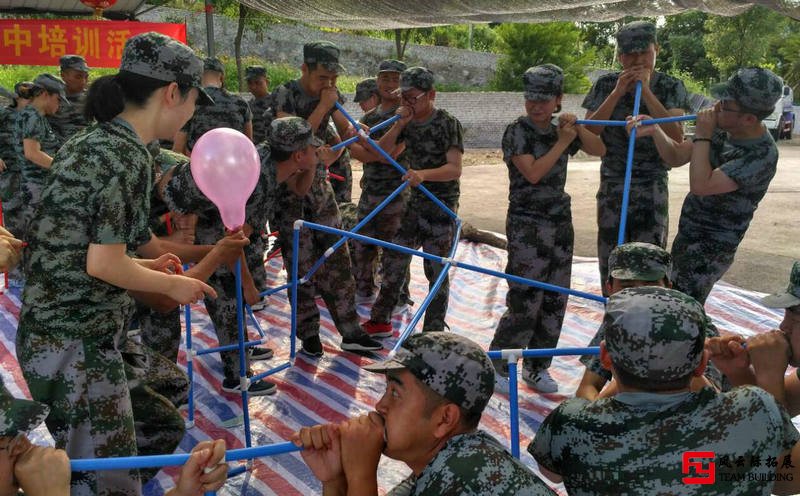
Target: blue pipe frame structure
[(512, 356)]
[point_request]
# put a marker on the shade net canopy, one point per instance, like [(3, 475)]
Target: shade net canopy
[(390, 14)]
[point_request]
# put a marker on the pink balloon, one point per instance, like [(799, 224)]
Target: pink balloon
[(225, 165)]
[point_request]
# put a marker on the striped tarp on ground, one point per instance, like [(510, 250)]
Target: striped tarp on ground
[(334, 387)]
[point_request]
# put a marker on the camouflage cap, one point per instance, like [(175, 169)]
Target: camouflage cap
[(52, 84), (19, 416), (655, 333), (160, 57), (290, 134), (23, 89), (753, 88), (255, 71), (416, 77), (543, 82), (451, 365), (73, 62), (639, 261), (391, 65), (365, 89), (788, 298), (324, 53), (635, 36), (213, 64)]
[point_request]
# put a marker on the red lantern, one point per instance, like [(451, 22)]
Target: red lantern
[(98, 6)]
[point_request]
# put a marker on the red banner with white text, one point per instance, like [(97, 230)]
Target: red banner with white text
[(43, 41)]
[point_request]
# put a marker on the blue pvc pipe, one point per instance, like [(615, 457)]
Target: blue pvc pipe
[(155, 461), (592, 122), (513, 400), (647, 122), (242, 359), (189, 359), (295, 268), (228, 347), (256, 323), (548, 352), (272, 291), (626, 190), (374, 128), (271, 371)]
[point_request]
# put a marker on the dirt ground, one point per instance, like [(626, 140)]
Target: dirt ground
[(764, 257)]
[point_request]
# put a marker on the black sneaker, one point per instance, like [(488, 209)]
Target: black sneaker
[(361, 343), (258, 353), (260, 388), (312, 346)]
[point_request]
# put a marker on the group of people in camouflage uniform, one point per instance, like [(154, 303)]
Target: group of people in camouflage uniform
[(110, 394)]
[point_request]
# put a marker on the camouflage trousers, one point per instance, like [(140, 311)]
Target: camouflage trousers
[(255, 256), (13, 203), (698, 263), (383, 226), (160, 331), (648, 216), (343, 189), (334, 279), (31, 194), (83, 381), (425, 225), (540, 250)]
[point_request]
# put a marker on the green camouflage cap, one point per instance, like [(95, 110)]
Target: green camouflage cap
[(391, 65), (788, 298), (324, 53), (160, 57), (255, 71), (451, 365), (543, 82), (639, 261), (416, 77), (23, 87), (753, 88), (19, 416), (635, 36), (73, 62), (290, 134), (655, 333), (213, 64), (365, 89), (53, 84)]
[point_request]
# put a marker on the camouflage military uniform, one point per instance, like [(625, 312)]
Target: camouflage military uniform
[(540, 242), (69, 119), (11, 195), (379, 181), (34, 126), (657, 335), (711, 227), (19, 416), (98, 193), (648, 205), (263, 114), (342, 188), (228, 110), (182, 195), (424, 223), (334, 280)]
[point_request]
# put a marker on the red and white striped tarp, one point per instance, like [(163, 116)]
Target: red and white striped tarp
[(334, 387)]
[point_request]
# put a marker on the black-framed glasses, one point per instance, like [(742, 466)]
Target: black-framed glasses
[(412, 99)]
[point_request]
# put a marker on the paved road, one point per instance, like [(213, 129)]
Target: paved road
[(764, 257)]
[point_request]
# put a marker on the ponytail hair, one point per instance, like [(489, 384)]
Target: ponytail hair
[(109, 95)]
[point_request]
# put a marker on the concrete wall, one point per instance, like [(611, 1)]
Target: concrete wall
[(360, 55)]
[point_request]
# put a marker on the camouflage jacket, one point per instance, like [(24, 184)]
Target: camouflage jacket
[(263, 115), (427, 144), (97, 193), (229, 110), (646, 162), (8, 119), (32, 125), (633, 443), (752, 165), (291, 98), (379, 178), (69, 119), (476, 464), (546, 198)]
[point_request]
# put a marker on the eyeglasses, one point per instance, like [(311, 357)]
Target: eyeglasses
[(413, 99), (725, 109)]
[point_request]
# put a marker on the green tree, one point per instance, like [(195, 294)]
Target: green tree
[(681, 53), (742, 40), (527, 45)]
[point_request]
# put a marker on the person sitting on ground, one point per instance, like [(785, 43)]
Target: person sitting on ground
[(637, 442), (632, 265), (764, 358), (437, 386), (45, 471)]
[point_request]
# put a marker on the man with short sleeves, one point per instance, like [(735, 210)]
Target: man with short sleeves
[(612, 97), (70, 119), (261, 104)]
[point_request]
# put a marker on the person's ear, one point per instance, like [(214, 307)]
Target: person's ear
[(447, 418)]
